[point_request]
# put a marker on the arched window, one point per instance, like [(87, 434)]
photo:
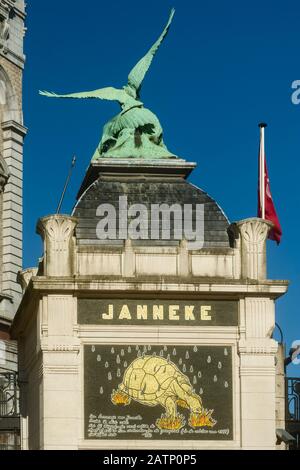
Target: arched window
[(9, 104)]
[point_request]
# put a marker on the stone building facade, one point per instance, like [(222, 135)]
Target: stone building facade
[(142, 343), (12, 132)]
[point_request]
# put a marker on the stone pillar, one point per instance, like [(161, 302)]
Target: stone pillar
[(60, 409), (257, 352), (253, 234), (13, 138), (57, 233)]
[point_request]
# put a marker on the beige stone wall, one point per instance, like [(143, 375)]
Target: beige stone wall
[(12, 135)]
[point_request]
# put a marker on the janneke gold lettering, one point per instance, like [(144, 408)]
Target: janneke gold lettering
[(142, 312), (204, 312), (189, 312), (173, 312), (158, 312), (125, 313), (110, 314)]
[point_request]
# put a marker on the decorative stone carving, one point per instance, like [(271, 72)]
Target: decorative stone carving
[(253, 234), (4, 174), (57, 233), (6, 14), (260, 317), (25, 276), (4, 32)]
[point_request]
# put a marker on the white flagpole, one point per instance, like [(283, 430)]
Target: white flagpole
[(262, 158)]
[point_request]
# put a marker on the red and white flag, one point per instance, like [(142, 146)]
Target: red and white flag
[(266, 207)]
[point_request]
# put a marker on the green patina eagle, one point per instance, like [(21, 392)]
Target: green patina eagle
[(135, 132)]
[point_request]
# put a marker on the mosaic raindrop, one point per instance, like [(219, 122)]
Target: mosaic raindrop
[(215, 378), (109, 376), (195, 349), (226, 384), (106, 365), (201, 391), (199, 374), (219, 365), (99, 358), (129, 349), (225, 352), (118, 360), (208, 360), (125, 364), (112, 350), (184, 368), (187, 356), (191, 369), (174, 352), (101, 390), (122, 352), (118, 373), (93, 349), (194, 380)]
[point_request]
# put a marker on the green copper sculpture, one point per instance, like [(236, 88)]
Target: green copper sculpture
[(135, 132)]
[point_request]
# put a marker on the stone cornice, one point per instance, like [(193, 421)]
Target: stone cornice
[(7, 4), (195, 285), (14, 126), (14, 58)]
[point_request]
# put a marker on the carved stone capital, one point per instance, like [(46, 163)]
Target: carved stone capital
[(57, 233), (24, 277), (253, 233)]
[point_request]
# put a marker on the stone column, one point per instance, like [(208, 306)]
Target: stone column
[(257, 351), (253, 233), (13, 138), (60, 409), (57, 233)]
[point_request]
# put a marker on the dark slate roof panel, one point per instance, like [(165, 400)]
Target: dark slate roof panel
[(147, 191)]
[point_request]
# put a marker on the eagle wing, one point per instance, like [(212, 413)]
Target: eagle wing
[(108, 93), (137, 74)]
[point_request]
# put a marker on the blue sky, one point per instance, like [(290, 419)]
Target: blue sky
[(224, 67)]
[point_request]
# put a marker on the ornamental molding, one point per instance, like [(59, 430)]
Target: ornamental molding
[(262, 347), (60, 348)]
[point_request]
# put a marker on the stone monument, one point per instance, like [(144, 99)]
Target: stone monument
[(148, 322)]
